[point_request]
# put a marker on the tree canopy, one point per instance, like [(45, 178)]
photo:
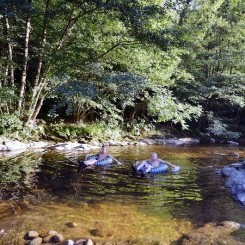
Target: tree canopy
[(179, 62)]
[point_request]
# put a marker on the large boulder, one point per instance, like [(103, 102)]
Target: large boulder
[(179, 141), (7, 145), (235, 180), (70, 146)]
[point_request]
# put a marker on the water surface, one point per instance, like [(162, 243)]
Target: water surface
[(111, 203)]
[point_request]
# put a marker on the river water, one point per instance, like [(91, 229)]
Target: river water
[(43, 191)]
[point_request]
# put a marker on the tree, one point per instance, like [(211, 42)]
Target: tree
[(215, 34), (45, 38)]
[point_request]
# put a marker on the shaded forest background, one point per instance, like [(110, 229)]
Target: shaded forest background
[(107, 69)]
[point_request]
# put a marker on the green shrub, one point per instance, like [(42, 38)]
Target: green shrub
[(9, 124), (218, 128), (97, 131), (140, 128)]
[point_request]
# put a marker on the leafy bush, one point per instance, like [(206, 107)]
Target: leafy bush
[(217, 128), (168, 108), (12, 126), (66, 131), (10, 123), (97, 131), (140, 128)]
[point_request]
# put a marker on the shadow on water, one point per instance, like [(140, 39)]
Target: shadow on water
[(196, 194)]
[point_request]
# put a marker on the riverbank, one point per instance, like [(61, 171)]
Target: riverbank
[(13, 146)]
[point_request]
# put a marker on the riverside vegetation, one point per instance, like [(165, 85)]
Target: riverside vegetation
[(105, 68), (96, 70)]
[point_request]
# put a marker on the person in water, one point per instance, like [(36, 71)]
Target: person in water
[(153, 162), (100, 156)]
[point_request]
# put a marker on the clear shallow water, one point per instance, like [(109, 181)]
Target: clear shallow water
[(176, 202)]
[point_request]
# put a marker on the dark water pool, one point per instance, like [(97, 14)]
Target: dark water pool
[(192, 197)]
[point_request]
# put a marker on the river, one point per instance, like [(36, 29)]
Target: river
[(42, 191)]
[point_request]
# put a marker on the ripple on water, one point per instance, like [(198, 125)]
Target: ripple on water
[(159, 207)]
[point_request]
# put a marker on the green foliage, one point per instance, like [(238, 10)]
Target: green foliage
[(66, 131), (98, 131), (214, 59), (106, 95), (7, 98), (219, 129), (140, 128), (123, 61), (167, 108), (10, 123), (11, 126)]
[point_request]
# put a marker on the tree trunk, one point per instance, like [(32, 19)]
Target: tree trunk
[(24, 68), (35, 102), (38, 108), (10, 52), (38, 79)]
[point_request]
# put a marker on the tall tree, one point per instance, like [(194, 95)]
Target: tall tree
[(44, 33), (213, 56)]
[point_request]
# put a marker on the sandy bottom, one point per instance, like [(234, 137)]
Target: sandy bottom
[(102, 222)]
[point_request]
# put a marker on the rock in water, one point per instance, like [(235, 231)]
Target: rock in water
[(32, 234), (58, 237), (69, 242), (36, 241)]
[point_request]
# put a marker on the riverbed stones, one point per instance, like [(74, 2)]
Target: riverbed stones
[(36, 241), (69, 242), (52, 232), (97, 232), (89, 242), (81, 241), (72, 224), (32, 234), (1, 232), (58, 237), (212, 234), (48, 238)]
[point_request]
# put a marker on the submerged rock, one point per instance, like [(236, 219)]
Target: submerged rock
[(36, 241), (72, 224), (52, 232), (69, 242), (212, 234), (48, 238), (89, 242), (58, 237), (80, 241), (32, 234), (97, 232), (1, 233)]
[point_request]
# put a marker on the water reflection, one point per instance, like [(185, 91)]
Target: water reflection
[(196, 193)]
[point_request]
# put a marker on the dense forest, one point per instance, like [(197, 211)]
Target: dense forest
[(105, 68)]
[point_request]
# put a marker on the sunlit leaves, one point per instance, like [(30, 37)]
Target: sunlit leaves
[(167, 108)]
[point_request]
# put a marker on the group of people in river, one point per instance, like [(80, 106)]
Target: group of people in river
[(145, 165)]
